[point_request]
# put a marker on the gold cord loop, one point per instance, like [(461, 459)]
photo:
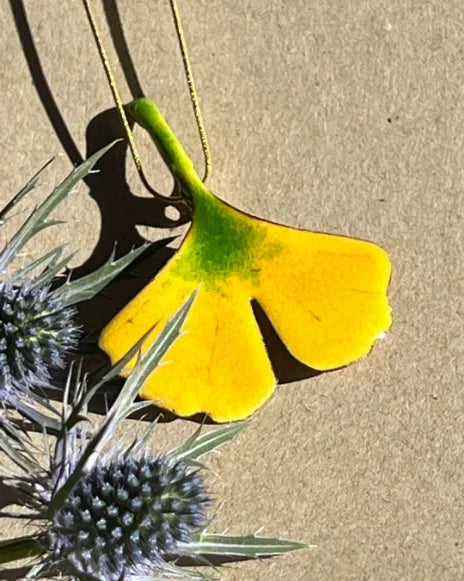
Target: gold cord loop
[(120, 107), (192, 90)]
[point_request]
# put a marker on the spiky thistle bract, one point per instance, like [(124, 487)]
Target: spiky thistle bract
[(38, 328), (324, 294), (113, 510)]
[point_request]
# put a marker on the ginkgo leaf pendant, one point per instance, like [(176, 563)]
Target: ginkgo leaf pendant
[(325, 295)]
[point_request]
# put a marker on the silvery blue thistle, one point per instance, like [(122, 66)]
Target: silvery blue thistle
[(126, 517), (36, 333), (37, 315), (106, 510)]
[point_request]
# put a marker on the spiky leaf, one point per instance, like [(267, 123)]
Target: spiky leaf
[(198, 444), (28, 187), (25, 271), (37, 221), (85, 288), (248, 546), (53, 269)]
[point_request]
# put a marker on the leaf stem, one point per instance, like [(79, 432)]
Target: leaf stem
[(147, 114)]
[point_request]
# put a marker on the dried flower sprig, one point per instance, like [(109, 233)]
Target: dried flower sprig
[(37, 323), (121, 513)]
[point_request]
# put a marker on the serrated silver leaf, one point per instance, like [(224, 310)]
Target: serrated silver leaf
[(248, 546), (28, 187), (85, 288), (37, 221), (23, 273), (197, 445)]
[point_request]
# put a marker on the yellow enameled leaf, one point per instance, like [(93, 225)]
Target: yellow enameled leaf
[(324, 294), (219, 365)]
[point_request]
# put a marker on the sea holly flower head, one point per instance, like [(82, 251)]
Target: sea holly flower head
[(126, 515), (36, 333), (324, 294), (106, 508)]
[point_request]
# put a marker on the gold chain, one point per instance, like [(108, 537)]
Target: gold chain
[(120, 107)]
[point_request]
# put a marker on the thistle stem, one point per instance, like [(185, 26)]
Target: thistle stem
[(20, 548)]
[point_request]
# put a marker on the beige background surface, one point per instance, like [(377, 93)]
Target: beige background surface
[(344, 117)]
